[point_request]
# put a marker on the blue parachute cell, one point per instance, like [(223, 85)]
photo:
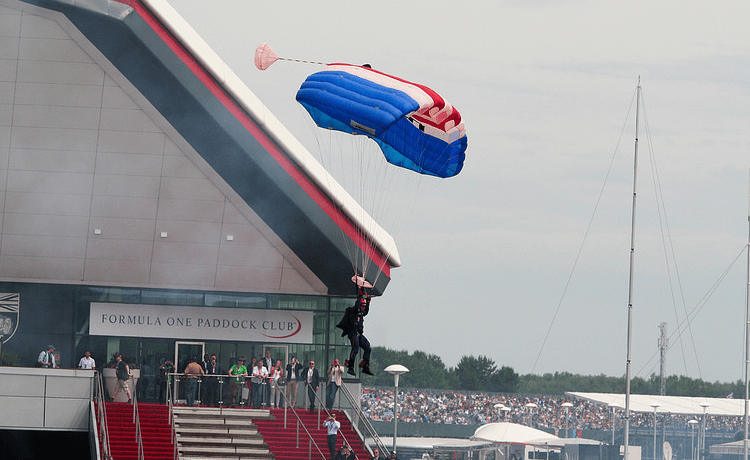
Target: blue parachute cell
[(415, 127)]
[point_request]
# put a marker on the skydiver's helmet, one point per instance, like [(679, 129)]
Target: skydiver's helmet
[(362, 302)]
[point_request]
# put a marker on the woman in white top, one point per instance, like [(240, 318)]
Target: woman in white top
[(260, 374), (276, 372)]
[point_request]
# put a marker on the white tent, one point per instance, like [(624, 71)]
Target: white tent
[(504, 432), (668, 404)]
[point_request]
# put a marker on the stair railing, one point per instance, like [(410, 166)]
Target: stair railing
[(170, 408), (311, 440), (356, 407), (137, 422), (101, 415), (322, 408)]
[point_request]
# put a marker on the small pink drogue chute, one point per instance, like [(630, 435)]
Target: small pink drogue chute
[(265, 56)]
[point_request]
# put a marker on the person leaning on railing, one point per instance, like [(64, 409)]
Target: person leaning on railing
[(237, 374)]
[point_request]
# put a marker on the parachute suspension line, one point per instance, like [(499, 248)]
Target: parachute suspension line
[(586, 233), (265, 56), (346, 158), (670, 257)]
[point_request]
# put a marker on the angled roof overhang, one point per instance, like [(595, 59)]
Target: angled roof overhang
[(207, 104)]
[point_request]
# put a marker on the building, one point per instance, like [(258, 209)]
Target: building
[(151, 205)]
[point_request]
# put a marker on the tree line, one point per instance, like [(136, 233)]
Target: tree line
[(482, 374)]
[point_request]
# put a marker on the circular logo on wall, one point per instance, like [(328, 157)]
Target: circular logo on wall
[(9, 307)]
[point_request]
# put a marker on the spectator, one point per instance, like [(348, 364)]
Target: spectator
[(237, 373), (312, 380), (292, 377), (334, 382), (193, 372), (276, 373), (122, 370), (87, 362), (47, 358), (260, 375)]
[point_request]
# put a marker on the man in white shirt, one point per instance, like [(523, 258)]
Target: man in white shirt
[(333, 428), (87, 362)]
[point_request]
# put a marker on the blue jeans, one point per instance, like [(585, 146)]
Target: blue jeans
[(331, 390), (191, 387), (257, 394)]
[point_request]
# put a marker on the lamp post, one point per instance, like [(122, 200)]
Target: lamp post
[(613, 406), (702, 434), (500, 407), (655, 406), (505, 409), (531, 406), (396, 370), (567, 407), (692, 424)]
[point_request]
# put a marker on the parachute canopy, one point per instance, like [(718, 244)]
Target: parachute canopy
[(415, 127)]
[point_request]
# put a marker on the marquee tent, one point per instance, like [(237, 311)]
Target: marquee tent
[(668, 404)]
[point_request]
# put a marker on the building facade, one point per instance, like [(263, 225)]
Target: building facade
[(151, 205)]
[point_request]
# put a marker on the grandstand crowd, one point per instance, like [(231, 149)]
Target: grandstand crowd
[(454, 407)]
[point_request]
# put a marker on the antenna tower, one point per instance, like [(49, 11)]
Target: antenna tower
[(663, 346)]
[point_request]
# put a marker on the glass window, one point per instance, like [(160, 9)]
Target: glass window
[(160, 297), (234, 300), (288, 302), (96, 294)]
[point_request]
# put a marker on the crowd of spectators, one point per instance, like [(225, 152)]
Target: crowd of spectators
[(468, 408)]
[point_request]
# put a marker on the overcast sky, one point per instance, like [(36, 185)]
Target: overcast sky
[(546, 90)]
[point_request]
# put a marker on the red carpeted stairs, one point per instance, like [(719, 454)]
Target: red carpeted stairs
[(156, 431), (282, 442)]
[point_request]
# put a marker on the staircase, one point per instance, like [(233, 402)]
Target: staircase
[(283, 441), (155, 430), (206, 433)]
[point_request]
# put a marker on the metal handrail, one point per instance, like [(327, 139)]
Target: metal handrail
[(357, 409), (137, 422), (311, 440), (170, 406), (103, 430)]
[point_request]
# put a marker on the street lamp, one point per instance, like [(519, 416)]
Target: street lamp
[(655, 406), (500, 407), (506, 409), (531, 406), (702, 434), (567, 407), (396, 370), (692, 424), (613, 406)]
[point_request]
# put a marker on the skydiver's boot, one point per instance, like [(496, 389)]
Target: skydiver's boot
[(365, 365), (350, 367)]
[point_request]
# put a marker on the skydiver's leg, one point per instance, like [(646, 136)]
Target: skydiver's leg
[(365, 344), (354, 340)]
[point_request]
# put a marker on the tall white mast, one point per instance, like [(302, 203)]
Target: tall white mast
[(626, 437), (747, 335)]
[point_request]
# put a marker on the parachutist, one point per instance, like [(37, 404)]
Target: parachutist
[(352, 325)]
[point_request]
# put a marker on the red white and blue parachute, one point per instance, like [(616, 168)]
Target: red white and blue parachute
[(413, 125)]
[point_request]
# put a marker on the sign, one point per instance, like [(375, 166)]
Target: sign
[(10, 306), (201, 323)]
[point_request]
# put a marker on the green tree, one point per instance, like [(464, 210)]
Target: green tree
[(474, 374)]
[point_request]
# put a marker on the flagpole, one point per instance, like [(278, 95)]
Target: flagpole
[(747, 333), (626, 434)]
